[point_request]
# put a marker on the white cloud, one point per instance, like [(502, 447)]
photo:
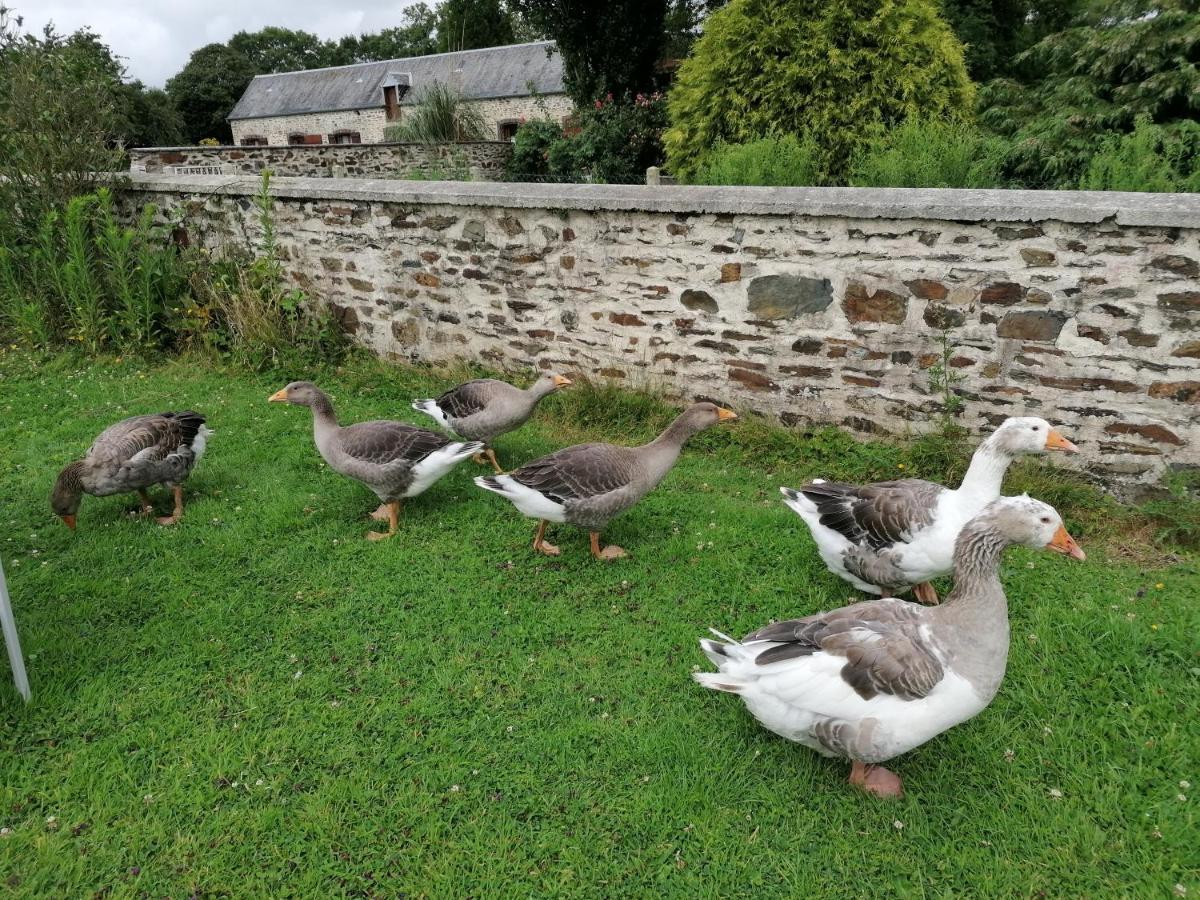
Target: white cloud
[(154, 39)]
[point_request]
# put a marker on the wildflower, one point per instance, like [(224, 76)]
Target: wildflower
[(897, 824), (1009, 756), (1180, 891), (900, 465), (1185, 784), (1158, 586), (5, 832), (454, 788), (1056, 793)]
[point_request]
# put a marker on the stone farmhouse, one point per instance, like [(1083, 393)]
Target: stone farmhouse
[(354, 104)]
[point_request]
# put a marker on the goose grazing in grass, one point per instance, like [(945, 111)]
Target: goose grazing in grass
[(590, 484), (133, 455), (393, 459), (484, 409), (871, 681), (886, 537)]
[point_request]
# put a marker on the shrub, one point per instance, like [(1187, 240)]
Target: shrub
[(530, 160), (619, 139), (440, 116), (764, 67), (1150, 158), (937, 153), (778, 161)]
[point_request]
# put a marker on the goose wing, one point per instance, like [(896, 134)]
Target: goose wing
[(382, 443), (470, 397), (878, 515), (148, 448), (579, 472), (885, 643)]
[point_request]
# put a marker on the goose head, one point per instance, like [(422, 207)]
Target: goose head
[(67, 494), (548, 384), (301, 393), (1032, 523), (1022, 435)]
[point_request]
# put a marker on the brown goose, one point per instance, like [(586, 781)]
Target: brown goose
[(133, 455), (886, 537), (394, 459), (484, 409), (871, 681), (589, 484)]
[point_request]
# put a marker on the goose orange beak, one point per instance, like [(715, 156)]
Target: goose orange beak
[(1064, 543), (69, 521), (280, 396), (1055, 441), (724, 414), (561, 381)]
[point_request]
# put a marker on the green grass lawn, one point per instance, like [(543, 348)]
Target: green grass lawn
[(261, 702)]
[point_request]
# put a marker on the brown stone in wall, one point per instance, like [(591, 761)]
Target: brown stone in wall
[(1149, 432), (861, 380), (927, 289), (943, 317), (731, 272), (806, 371), (346, 317), (567, 262), (1002, 293), (754, 381), (1031, 326), (675, 229), (719, 346), (426, 279), (1093, 333), (624, 319), (1035, 258), (1179, 391), (1177, 265), (806, 345), (1181, 301), (360, 284), (1138, 338), (1190, 350), (1089, 384), (512, 226), (881, 305)]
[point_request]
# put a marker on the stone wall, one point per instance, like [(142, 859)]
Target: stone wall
[(370, 123), (806, 305), (484, 160)]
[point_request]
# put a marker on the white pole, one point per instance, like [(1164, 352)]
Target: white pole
[(11, 641)]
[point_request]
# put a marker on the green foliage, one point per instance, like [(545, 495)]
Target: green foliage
[(441, 115), (468, 24), (1116, 61), (416, 35), (1177, 513), (771, 161), (931, 153), (57, 124), (609, 47), (1150, 158), (532, 144), (275, 49), (777, 67), (207, 88), (617, 140)]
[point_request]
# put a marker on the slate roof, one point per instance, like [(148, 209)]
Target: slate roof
[(491, 72)]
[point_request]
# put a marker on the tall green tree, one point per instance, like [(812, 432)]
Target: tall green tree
[(468, 24), (607, 46), (281, 50), (1118, 60), (207, 88), (840, 71), (416, 35)]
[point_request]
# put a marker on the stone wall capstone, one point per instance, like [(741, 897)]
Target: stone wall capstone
[(483, 160), (818, 305)]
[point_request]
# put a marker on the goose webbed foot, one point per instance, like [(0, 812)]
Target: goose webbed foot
[(612, 551), (540, 544), (926, 593), (491, 455), (147, 507), (177, 512), (876, 780), (392, 514), (380, 513)]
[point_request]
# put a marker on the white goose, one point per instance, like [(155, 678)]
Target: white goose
[(873, 680), (886, 537)]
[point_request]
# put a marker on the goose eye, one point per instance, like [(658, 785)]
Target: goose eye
[(1036, 427), (1045, 520)]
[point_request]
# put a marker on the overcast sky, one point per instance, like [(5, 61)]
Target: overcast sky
[(156, 38)]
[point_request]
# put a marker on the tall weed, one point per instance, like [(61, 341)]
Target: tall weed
[(931, 153), (773, 161)]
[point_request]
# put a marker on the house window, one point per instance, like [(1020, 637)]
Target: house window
[(391, 102), (345, 137), (507, 130), (253, 140), (294, 139)]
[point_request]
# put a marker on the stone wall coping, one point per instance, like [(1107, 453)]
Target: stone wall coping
[(1136, 209), (196, 148)]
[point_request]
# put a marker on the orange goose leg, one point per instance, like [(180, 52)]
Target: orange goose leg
[(177, 512), (147, 504), (876, 780), (491, 455), (612, 551), (926, 593), (540, 544), (393, 509)]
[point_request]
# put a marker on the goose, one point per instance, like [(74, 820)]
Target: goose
[(873, 680), (886, 537), (393, 459), (484, 409), (133, 455), (590, 484)]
